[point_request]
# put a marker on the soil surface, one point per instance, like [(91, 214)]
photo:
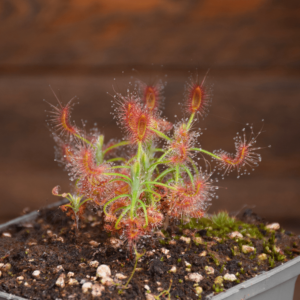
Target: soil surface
[(172, 262)]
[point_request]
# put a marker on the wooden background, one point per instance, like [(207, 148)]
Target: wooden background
[(88, 48)]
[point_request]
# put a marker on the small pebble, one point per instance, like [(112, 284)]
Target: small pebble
[(230, 277), (26, 284), (36, 273), (73, 281), (158, 283), (203, 253), (0, 273), (198, 240), (198, 290), (59, 268), (94, 264), (277, 250), (115, 243), (185, 239), (60, 282), (149, 296), (209, 270), (94, 243), (187, 264), (60, 239), (235, 234), (196, 277), (6, 234), (160, 289), (120, 276), (173, 269), (149, 253), (97, 290), (82, 265), (103, 271), (247, 249), (20, 278), (95, 224), (262, 256), (32, 243), (172, 242), (70, 274), (86, 287), (107, 281), (49, 233), (273, 226), (165, 251), (147, 287)]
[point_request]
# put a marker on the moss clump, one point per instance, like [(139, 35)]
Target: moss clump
[(221, 224)]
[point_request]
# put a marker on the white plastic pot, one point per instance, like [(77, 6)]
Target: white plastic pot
[(277, 284)]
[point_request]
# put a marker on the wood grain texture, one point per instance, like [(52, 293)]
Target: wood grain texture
[(210, 33)]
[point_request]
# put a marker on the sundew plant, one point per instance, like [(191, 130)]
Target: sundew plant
[(158, 175)]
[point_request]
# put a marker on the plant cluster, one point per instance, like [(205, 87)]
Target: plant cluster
[(158, 176)]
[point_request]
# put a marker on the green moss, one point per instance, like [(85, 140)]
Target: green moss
[(214, 259), (222, 268), (217, 288), (271, 262), (223, 220), (221, 224)]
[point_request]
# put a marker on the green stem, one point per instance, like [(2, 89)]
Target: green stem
[(159, 183), (116, 159), (99, 146), (190, 174), (118, 174), (85, 140), (123, 143), (194, 166), (164, 173), (190, 121), (152, 192), (145, 211), (114, 199), (162, 135), (120, 167), (206, 152), (139, 152), (137, 257), (121, 216)]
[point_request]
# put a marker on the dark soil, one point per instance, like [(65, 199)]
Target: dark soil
[(51, 240)]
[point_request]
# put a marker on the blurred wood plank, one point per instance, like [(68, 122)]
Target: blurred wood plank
[(209, 33)]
